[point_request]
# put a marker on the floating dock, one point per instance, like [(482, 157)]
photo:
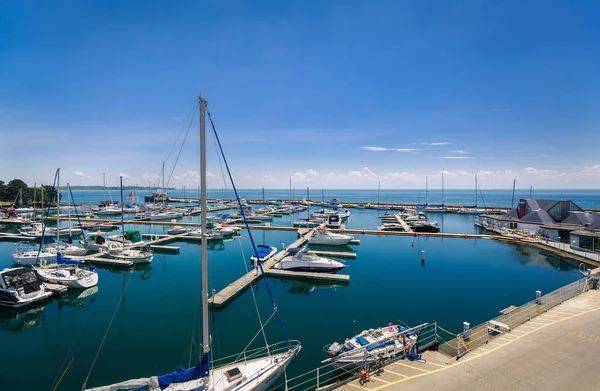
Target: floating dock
[(302, 275), (57, 289)]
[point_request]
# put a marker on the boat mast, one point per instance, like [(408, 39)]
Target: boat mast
[(476, 190), (426, 191), (307, 203), (512, 202), (442, 188), (203, 207), (34, 196), (378, 189), (163, 181), (122, 222), (57, 206)]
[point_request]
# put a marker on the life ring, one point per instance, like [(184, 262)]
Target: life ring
[(391, 328)]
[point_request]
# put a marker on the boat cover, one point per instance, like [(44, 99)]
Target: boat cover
[(362, 341), (263, 251), (182, 375), (296, 250), (63, 260), (380, 345)]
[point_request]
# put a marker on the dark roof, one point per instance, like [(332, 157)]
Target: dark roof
[(538, 216), (540, 211), (577, 218), (595, 224)]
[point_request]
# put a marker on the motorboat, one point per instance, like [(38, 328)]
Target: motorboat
[(264, 253), (423, 226), (178, 230), (227, 230), (371, 345), (304, 223), (391, 227), (165, 216), (334, 221), (137, 256), (35, 230), (95, 241), (128, 237), (323, 236), (109, 211), (25, 254), (20, 287), (471, 211), (68, 273), (304, 261)]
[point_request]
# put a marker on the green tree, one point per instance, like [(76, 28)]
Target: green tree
[(13, 187), (2, 191)]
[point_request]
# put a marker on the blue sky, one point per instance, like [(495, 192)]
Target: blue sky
[(336, 94)]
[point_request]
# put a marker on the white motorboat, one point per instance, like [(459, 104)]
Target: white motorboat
[(108, 211), (372, 345), (178, 230), (471, 211), (423, 226), (227, 230), (165, 216), (302, 260), (323, 236), (334, 221), (137, 256), (25, 254), (391, 227), (264, 253), (20, 287), (68, 273)]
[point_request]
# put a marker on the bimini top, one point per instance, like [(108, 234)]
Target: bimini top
[(298, 250)]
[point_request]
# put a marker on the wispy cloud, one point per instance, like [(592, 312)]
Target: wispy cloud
[(381, 149), (435, 144), (455, 157), (460, 152)]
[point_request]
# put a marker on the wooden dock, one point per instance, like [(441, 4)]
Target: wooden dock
[(241, 284), (57, 289), (403, 223), (313, 276), (100, 260)]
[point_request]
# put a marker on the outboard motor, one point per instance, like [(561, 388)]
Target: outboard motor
[(334, 349)]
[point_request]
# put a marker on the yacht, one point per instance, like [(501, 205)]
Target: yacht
[(323, 236), (303, 261), (68, 273), (20, 287), (334, 221), (25, 254)]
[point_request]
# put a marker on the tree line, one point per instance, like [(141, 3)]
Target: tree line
[(9, 193)]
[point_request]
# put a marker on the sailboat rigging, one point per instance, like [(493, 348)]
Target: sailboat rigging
[(242, 374)]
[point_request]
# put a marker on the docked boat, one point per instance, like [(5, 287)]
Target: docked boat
[(25, 254), (128, 237), (304, 223), (165, 216), (137, 256), (391, 227), (323, 236), (264, 253), (178, 230), (20, 287), (334, 221), (423, 226), (302, 260), (35, 230), (471, 210), (68, 273), (109, 211), (66, 249), (371, 345)]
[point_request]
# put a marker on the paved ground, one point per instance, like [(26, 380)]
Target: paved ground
[(558, 350)]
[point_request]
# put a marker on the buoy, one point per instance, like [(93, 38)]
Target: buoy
[(363, 231), (422, 255), (413, 244)]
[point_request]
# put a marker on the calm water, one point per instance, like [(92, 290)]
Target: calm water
[(584, 198), (460, 280)]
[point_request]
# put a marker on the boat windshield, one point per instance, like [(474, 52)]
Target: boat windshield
[(309, 257)]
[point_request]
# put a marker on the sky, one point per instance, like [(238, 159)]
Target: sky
[(336, 95)]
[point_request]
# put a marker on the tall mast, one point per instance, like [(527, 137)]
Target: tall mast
[(308, 203), (163, 180), (58, 206), (203, 207), (378, 189), (34, 196), (442, 188), (512, 202), (122, 222), (475, 189), (290, 189)]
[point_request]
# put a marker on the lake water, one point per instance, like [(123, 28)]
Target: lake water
[(584, 198), (155, 306)]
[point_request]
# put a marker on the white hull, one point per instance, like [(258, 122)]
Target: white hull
[(133, 255), (67, 250), (471, 211), (165, 216), (326, 238), (109, 212), (71, 277), (31, 257)]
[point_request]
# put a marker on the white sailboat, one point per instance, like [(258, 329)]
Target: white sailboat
[(472, 210), (69, 273), (256, 374), (66, 248)]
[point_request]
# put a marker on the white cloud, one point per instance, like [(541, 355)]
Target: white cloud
[(460, 152), (435, 144), (455, 157), (381, 149), (308, 175), (79, 174), (123, 175)]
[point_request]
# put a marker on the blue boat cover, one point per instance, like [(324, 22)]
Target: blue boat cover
[(63, 260), (182, 375), (263, 251), (362, 341)]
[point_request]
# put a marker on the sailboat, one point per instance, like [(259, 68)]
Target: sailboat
[(250, 371), (472, 210), (433, 208), (109, 209), (66, 248), (119, 251)]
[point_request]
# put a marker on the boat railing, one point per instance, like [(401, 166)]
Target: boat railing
[(250, 354), (458, 345), (332, 375)]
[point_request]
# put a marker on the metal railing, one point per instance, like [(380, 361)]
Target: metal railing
[(457, 345), (332, 375)]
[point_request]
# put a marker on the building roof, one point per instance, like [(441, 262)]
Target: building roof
[(595, 223), (537, 217), (550, 212)]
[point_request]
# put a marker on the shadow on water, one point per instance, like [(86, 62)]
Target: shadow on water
[(303, 288), (17, 321)]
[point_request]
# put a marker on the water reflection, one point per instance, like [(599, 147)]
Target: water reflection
[(23, 320), (537, 257), (304, 288), (77, 298)]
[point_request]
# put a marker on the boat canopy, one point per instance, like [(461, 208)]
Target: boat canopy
[(298, 250), (62, 260), (420, 206), (262, 250), (182, 375), (133, 235)]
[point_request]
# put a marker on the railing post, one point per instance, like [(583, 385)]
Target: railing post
[(318, 378)]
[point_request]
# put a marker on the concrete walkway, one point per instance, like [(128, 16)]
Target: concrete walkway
[(558, 350)]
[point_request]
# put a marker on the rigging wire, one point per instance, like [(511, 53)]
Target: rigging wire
[(106, 333), (181, 148), (249, 232), (192, 110)]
